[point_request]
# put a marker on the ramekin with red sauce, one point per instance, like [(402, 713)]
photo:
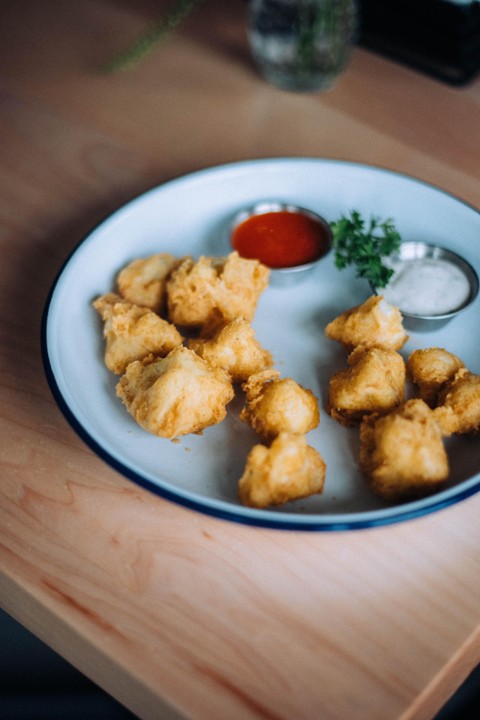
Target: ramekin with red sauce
[(288, 239)]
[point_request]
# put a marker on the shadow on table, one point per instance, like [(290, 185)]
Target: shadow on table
[(37, 684), (465, 704)]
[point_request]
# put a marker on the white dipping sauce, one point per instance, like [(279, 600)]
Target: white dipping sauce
[(426, 286)]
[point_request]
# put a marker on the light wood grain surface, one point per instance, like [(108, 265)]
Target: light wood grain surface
[(176, 614)]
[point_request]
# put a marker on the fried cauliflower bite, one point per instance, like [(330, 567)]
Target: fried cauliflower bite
[(132, 332), (287, 470), (235, 349), (430, 370), (275, 405), (374, 383), (458, 410), (375, 323), (143, 281), (402, 454), (213, 291), (175, 395)]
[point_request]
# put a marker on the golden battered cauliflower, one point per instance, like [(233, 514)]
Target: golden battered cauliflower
[(375, 323), (143, 281), (213, 291), (458, 409), (287, 470), (175, 395), (430, 370), (234, 348), (132, 332), (374, 383), (402, 454), (275, 405)]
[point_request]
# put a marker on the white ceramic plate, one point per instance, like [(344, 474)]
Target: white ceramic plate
[(189, 215)]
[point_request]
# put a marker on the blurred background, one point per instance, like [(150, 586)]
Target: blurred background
[(438, 37)]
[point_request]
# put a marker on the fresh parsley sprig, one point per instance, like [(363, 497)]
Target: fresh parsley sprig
[(356, 242)]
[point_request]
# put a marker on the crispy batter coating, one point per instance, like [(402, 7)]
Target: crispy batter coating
[(175, 395), (430, 370), (402, 454), (132, 332), (374, 383), (458, 408), (213, 291), (234, 348), (275, 405), (287, 470), (143, 281), (375, 323)]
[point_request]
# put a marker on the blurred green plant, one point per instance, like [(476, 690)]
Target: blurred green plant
[(153, 36)]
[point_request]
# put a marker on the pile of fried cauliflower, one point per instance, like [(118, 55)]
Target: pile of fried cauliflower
[(178, 332), (402, 453)]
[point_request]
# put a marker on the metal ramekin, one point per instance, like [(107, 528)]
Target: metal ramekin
[(420, 251), (288, 275)]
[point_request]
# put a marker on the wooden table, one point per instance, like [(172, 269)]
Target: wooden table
[(177, 614)]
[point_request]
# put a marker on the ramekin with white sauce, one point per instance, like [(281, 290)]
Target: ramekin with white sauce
[(430, 285)]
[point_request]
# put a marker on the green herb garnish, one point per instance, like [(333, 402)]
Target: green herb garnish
[(362, 245)]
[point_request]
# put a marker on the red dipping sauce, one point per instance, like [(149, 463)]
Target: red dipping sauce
[(282, 239)]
